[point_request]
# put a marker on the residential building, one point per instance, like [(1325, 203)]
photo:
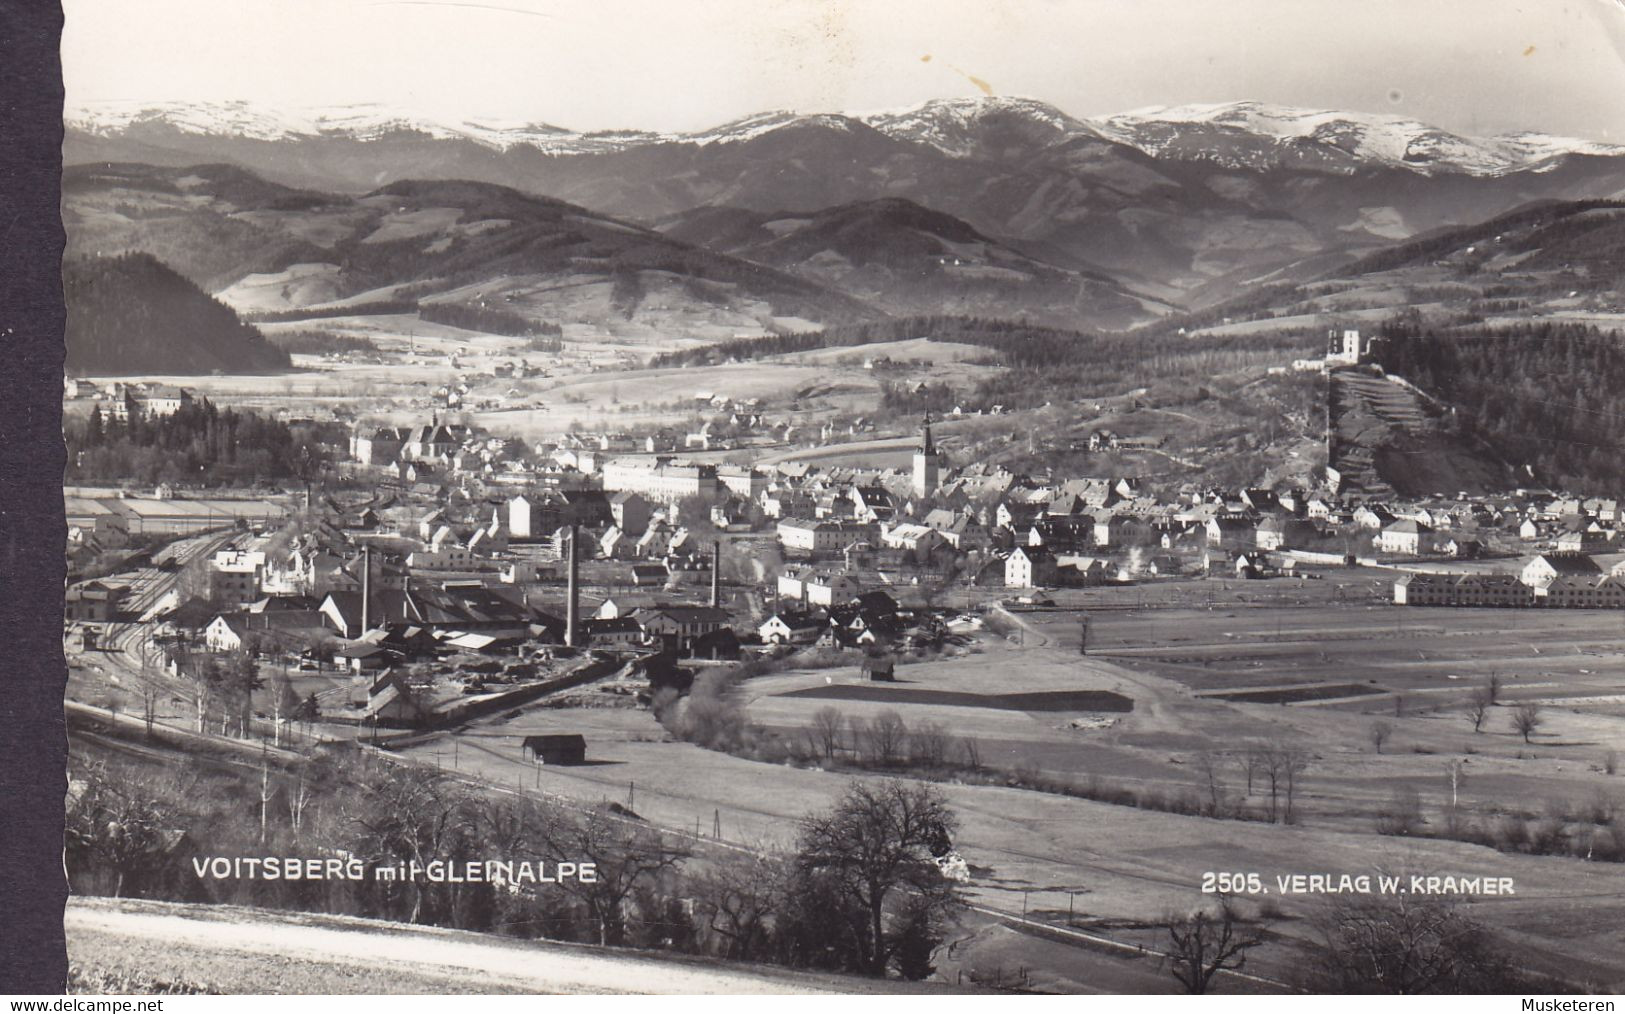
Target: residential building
[(808, 535), (661, 479), (1405, 538), (1030, 567), (235, 576)]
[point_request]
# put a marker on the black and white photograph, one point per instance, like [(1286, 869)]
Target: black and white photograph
[(881, 497)]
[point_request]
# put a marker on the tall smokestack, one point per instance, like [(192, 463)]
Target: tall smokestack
[(571, 605), (366, 587), (716, 573)]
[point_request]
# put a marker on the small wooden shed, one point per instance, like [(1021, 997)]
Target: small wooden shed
[(880, 668), (558, 748)]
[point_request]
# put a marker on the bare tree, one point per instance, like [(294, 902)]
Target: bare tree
[(1492, 687), (1205, 943), (1252, 762), (827, 726), (298, 797), (405, 813), (876, 853), (265, 794), (1208, 765), (118, 820), (627, 857), (1402, 814), (1270, 763), (737, 900), (1295, 761), (284, 704), (972, 751), (1282, 763), (1478, 708), (1379, 733), (887, 738), (1408, 944), (928, 744), (1526, 718)]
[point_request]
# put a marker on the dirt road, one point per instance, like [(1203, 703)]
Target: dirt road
[(526, 965)]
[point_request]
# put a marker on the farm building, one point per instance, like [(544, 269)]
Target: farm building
[(393, 701), (880, 668), (558, 748)]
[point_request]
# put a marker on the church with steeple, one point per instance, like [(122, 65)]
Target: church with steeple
[(927, 466)]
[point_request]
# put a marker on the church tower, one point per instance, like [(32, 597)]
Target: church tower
[(926, 464)]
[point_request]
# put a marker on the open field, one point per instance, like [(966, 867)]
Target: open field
[(1118, 862), (597, 380), (911, 350)]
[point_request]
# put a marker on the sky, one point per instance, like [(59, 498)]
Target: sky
[(1472, 66)]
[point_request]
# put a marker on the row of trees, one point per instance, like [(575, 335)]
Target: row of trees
[(861, 892), (1361, 944), (197, 442)]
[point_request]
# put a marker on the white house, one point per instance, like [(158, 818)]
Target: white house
[(916, 538), (1406, 538), (1029, 567), (790, 628)]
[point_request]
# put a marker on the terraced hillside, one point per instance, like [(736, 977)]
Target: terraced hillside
[(1386, 437)]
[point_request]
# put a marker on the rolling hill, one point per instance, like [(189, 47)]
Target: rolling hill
[(908, 259), (1187, 204), (132, 314), (1548, 258), (262, 246)]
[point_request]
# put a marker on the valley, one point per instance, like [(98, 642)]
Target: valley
[(1206, 488)]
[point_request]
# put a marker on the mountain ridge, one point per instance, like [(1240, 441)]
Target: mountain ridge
[(910, 259), (1188, 213), (938, 122), (262, 246)]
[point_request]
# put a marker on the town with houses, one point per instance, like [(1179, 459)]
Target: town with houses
[(604, 542), (607, 537)]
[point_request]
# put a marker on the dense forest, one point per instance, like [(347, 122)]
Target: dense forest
[(316, 343), (1044, 364), (1016, 344), (133, 314), (197, 443), (1546, 395), (374, 308), (1549, 221), (490, 320), (1016, 339)]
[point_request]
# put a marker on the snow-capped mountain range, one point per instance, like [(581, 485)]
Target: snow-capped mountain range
[(1249, 135), (1222, 132)]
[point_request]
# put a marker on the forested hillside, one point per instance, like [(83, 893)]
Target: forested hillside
[(1545, 394), (132, 314), (1046, 364)]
